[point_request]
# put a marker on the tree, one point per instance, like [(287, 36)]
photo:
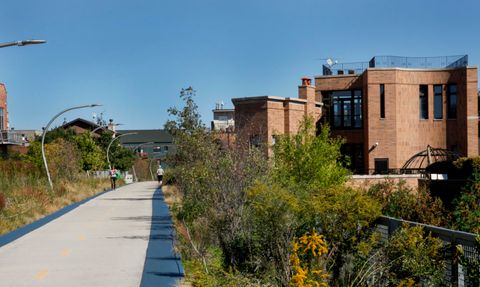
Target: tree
[(122, 158), (92, 157), (307, 161)]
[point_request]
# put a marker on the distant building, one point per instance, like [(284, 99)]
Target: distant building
[(154, 144), (388, 109), (81, 126), (223, 119)]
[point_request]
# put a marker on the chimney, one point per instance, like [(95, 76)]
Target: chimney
[(307, 92)]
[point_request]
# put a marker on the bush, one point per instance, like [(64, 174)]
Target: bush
[(400, 201), (416, 258), (467, 206), (169, 177)]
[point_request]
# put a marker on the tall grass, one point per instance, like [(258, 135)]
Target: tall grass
[(25, 195)]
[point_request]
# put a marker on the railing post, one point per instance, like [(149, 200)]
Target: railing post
[(453, 261)]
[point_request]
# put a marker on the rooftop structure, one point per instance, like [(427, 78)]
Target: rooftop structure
[(441, 62)]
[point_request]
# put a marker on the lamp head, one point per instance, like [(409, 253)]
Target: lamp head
[(30, 42)]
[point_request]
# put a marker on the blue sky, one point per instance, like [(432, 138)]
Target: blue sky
[(135, 56)]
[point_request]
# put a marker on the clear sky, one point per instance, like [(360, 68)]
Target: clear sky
[(134, 56)]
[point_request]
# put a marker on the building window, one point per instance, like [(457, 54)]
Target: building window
[(346, 109), (381, 165), (165, 148), (382, 101), (255, 141), (423, 91), (2, 117), (452, 101), (437, 102), (157, 149)]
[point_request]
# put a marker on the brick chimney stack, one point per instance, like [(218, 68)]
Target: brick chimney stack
[(307, 92)]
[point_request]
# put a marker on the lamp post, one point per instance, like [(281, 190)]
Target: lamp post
[(45, 132), (22, 43), (103, 127), (110, 144)]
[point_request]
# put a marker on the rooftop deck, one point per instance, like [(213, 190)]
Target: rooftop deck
[(442, 62)]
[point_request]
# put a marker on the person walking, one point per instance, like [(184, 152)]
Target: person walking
[(113, 177), (160, 175)]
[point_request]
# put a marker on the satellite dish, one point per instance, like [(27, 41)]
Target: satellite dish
[(329, 62)]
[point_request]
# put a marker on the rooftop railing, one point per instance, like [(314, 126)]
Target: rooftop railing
[(11, 137), (397, 62)]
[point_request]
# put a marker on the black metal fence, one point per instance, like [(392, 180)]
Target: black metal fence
[(386, 226)]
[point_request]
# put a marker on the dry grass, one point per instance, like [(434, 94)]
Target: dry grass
[(172, 195), (25, 203)]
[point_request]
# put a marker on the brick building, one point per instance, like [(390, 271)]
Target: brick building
[(387, 109), (259, 119), (3, 108)]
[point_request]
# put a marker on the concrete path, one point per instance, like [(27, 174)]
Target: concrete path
[(121, 238)]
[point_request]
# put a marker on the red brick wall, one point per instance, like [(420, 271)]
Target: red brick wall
[(402, 133), (3, 104)]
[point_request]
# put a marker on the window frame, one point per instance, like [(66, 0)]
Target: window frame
[(437, 96), (423, 101), (382, 101), (452, 112), (351, 117), (2, 118)]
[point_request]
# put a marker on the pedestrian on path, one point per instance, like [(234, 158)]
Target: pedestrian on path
[(113, 177), (160, 175)]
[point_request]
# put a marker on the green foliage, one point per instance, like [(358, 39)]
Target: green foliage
[(308, 161), (416, 257), (65, 134), (217, 275), (90, 153), (400, 201), (34, 154), (271, 224), (188, 118), (120, 157), (467, 206), (471, 265), (63, 159)]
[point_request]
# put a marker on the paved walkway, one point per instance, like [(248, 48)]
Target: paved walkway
[(121, 238)]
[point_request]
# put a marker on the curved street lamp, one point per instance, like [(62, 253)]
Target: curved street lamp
[(110, 144), (103, 127), (22, 43), (45, 132)]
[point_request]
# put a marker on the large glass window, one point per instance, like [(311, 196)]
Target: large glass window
[(423, 91), (437, 102), (346, 109), (2, 126), (382, 101), (452, 101)]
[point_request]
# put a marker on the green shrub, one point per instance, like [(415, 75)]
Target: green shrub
[(415, 258), (471, 265), (400, 201), (467, 206), (169, 177)]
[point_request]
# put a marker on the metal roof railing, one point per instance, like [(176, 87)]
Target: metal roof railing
[(457, 61), (11, 137)]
